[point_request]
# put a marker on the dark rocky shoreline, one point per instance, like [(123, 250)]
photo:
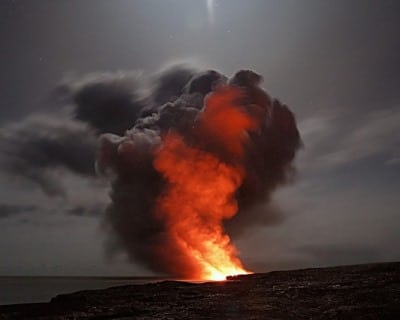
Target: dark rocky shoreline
[(370, 291)]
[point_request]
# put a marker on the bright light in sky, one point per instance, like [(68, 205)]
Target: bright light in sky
[(210, 9)]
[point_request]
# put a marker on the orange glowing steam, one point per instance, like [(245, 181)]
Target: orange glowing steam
[(200, 191), (225, 120)]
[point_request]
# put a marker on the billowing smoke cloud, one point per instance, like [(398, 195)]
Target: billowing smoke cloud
[(108, 102), (229, 129), (34, 148), (232, 123)]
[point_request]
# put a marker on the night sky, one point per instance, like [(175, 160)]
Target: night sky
[(335, 63)]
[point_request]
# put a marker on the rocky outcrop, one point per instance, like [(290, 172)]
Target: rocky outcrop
[(350, 292)]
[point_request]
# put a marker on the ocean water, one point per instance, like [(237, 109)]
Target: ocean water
[(42, 289)]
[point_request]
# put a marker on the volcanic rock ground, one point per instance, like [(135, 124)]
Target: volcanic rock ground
[(369, 291)]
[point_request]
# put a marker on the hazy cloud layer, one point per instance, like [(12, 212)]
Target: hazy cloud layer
[(7, 210), (334, 141), (35, 147), (334, 62)]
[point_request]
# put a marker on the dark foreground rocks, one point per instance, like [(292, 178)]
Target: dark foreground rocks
[(350, 292)]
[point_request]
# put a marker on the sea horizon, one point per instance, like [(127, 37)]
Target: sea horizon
[(17, 289), (85, 276)]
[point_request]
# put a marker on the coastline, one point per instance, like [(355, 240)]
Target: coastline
[(370, 291), (35, 289)]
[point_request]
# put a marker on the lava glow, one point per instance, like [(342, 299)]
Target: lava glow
[(200, 191), (206, 152)]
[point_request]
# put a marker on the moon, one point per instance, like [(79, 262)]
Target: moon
[(210, 10)]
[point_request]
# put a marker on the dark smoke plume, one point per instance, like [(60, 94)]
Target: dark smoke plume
[(98, 103), (132, 114), (136, 184)]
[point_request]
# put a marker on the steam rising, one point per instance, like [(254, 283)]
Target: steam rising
[(257, 135), (181, 145)]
